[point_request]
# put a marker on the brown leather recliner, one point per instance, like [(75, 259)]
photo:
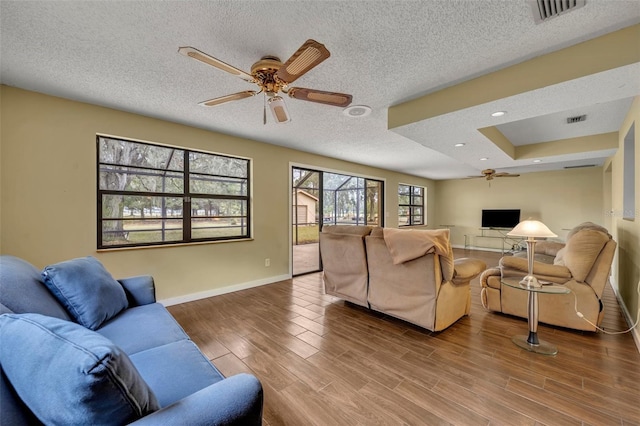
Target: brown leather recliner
[(583, 265)]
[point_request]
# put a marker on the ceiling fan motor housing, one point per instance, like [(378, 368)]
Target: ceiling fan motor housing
[(265, 72)]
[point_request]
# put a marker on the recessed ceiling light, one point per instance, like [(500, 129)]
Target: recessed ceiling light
[(484, 158), (537, 161), (357, 111), (498, 113), (459, 145)]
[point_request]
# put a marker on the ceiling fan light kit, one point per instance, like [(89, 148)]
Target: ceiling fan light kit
[(279, 109), (273, 77)]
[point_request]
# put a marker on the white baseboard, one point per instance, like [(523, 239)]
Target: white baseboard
[(222, 290), (630, 319), (460, 246)]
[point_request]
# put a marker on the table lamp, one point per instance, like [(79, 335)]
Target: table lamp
[(531, 229)]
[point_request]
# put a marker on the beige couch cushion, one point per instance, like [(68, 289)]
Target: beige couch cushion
[(587, 225), (548, 248), (581, 252), (361, 230), (405, 245)]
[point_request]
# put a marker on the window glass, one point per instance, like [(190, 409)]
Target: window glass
[(410, 205), (151, 195), (351, 200)]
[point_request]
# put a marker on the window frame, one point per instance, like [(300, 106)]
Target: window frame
[(411, 216), (186, 194)]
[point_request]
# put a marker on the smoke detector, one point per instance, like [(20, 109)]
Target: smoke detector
[(544, 10), (357, 111)]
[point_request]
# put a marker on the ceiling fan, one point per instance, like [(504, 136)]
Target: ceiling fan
[(489, 174), (272, 76)]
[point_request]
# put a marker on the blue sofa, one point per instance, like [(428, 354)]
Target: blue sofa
[(79, 347)]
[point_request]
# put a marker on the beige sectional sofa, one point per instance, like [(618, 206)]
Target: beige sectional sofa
[(407, 274)]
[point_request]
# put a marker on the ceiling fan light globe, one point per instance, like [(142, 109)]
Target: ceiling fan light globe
[(279, 109)]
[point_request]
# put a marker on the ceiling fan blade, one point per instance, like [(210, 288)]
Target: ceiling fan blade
[(320, 96), (505, 175), (228, 98), (310, 54), (210, 60)]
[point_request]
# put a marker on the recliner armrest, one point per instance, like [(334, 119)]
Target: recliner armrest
[(517, 266), (236, 400), (466, 269), (140, 290)]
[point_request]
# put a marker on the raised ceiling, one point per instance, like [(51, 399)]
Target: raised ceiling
[(390, 55)]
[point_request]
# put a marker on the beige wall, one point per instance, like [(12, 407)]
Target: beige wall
[(626, 267), (48, 195), (560, 199)]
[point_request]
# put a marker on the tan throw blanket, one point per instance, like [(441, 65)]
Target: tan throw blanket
[(409, 244)]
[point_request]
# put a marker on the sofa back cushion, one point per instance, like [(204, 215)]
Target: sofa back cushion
[(68, 375), (22, 289), (344, 262), (86, 289), (582, 250), (361, 230)]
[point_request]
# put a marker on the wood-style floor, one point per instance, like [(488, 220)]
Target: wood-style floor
[(322, 361)]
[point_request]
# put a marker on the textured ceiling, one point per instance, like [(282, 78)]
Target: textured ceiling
[(124, 55)]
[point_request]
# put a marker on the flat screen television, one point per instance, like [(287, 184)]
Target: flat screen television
[(504, 218)]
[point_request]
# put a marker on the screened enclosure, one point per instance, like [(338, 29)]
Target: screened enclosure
[(325, 198)]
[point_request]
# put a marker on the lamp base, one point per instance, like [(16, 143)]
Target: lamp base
[(541, 347), (530, 281)]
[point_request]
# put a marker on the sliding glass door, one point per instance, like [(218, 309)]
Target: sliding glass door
[(326, 198)]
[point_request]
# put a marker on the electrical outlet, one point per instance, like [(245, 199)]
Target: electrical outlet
[(267, 262)]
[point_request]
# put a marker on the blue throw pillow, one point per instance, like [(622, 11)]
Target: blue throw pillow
[(69, 375), (86, 289)]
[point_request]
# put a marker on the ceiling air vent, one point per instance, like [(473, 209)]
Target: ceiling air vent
[(547, 9), (579, 167), (576, 119)]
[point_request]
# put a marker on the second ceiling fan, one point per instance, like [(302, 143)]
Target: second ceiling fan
[(272, 77), (489, 174)]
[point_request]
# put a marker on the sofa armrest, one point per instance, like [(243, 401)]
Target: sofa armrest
[(516, 266), (140, 290), (466, 269), (236, 400), (491, 272)]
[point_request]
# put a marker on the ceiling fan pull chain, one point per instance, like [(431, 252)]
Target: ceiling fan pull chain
[(264, 110)]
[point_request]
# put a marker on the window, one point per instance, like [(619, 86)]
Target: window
[(410, 205), (156, 195), (351, 200), (629, 176)]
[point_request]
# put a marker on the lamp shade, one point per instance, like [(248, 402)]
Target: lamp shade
[(531, 228)]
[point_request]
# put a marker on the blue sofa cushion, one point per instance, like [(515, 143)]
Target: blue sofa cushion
[(5, 310), (142, 327), (184, 370), (12, 409), (86, 289), (22, 290), (69, 375)]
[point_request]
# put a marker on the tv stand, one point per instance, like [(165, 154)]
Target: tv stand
[(493, 234)]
